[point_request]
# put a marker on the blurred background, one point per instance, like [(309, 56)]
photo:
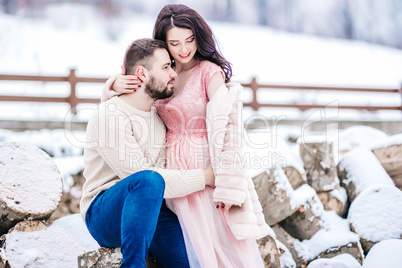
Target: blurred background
[(371, 21), (286, 53)]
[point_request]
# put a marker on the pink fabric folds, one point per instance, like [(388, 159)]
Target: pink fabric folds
[(210, 241)]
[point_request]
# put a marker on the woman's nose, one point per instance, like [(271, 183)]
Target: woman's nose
[(183, 49)]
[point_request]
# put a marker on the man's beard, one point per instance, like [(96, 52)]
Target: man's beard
[(157, 90)]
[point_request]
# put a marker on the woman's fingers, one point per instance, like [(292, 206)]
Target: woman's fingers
[(227, 207), (126, 84), (224, 206)]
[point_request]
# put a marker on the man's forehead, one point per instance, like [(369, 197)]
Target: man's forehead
[(161, 56)]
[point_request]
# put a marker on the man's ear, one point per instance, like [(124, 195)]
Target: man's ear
[(142, 73), (123, 70)]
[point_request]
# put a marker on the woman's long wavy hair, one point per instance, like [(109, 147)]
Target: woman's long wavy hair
[(182, 16)]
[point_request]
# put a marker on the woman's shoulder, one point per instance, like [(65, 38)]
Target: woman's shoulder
[(208, 68), (208, 64)]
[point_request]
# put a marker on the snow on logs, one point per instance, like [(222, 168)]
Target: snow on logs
[(299, 214), (307, 220), (30, 184), (32, 243), (340, 261), (376, 215), (386, 253), (359, 169)]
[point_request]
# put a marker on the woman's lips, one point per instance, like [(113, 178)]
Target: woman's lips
[(185, 56)]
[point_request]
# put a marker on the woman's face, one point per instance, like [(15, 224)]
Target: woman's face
[(181, 44)]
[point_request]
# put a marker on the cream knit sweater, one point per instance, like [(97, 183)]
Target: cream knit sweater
[(122, 140)]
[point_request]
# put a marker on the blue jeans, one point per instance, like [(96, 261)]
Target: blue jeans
[(133, 215)]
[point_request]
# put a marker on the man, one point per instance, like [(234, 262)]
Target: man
[(122, 202)]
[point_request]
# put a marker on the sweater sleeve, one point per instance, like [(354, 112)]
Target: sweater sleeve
[(119, 148)]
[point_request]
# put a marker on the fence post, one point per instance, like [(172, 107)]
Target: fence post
[(254, 87), (72, 99), (400, 94)]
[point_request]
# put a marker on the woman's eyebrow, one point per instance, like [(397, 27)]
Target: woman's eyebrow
[(172, 40)]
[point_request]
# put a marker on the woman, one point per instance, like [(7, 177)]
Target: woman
[(220, 225)]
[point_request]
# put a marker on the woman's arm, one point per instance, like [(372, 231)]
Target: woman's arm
[(214, 83)]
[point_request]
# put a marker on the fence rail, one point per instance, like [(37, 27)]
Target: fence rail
[(71, 78), (256, 105), (73, 100)]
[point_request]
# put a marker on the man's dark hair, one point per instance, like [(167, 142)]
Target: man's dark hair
[(140, 52)]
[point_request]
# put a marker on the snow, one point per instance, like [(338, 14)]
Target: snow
[(304, 193), (69, 166), (376, 213), (76, 226), (363, 169), (58, 142), (339, 261), (61, 242), (286, 258), (340, 194), (48, 247), (385, 254), (24, 172), (269, 149), (359, 136), (314, 139), (388, 141), (283, 184), (65, 146), (337, 234), (307, 197)]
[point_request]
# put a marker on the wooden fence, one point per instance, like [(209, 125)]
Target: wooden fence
[(71, 78), (73, 100)]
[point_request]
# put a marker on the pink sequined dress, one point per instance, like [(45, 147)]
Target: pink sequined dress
[(208, 238)]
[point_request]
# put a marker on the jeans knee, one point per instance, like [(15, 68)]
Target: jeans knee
[(147, 180)]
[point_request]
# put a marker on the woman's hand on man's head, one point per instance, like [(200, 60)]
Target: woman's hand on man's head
[(126, 83)]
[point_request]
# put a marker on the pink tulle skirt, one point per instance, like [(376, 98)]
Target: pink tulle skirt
[(208, 238)]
